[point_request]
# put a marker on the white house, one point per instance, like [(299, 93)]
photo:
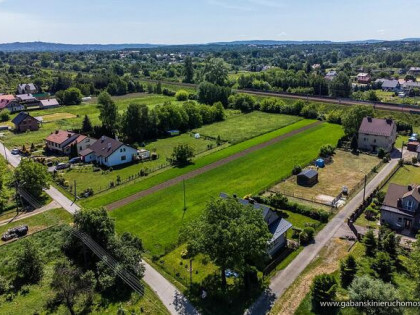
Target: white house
[(108, 152), (377, 133), (27, 88)]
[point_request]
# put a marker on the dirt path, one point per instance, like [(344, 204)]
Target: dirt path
[(52, 205), (204, 169), (327, 262)]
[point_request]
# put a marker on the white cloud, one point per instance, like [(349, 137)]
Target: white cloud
[(282, 34)]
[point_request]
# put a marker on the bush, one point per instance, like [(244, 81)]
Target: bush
[(307, 235), (326, 150), (296, 169), (181, 95), (168, 92), (323, 289), (182, 154), (381, 153), (4, 115), (414, 160)]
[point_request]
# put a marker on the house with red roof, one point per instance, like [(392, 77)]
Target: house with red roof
[(61, 141)]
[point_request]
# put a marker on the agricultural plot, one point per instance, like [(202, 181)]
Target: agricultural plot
[(86, 176), (158, 217), (243, 127), (346, 169), (123, 192)]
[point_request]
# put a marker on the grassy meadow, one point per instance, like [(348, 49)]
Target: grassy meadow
[(157, 218)]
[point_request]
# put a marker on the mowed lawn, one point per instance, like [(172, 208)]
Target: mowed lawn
[(125, 191), (71, 117), (406, 175), (242, 127), (85, 177), (157, 218)]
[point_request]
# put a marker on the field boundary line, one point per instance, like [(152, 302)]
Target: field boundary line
[(207, 168)]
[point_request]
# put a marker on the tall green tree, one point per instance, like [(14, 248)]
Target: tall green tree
[(216, 71), (135, 122), (108, 112), (370, 243), (87, 125), (352, 119), (348, 269), (367, 289), (383, 266), (70, 284), (32, 176), (182, 154), (29, 265), (323, 289), (72, 96), (340, 86), (232, 235), (188, 70)]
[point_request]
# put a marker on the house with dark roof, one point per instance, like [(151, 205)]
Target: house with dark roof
[(277, 225), (414, 70), (377, 133), (401, 208), (108, 152), (27, 88), (24, 122), (28, 100), (61, 141)]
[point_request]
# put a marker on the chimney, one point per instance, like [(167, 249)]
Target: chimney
[(109, 145), (389, 121), (369, 119), (410, 187), (56, 132), (102, 138), (69, 135)]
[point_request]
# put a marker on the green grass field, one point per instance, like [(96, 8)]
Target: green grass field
[(157, 218), (78, 112), (35, 300), (406, 175), (122, 192), (243, 127)]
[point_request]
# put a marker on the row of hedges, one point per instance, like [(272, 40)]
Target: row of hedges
[(280, 202)]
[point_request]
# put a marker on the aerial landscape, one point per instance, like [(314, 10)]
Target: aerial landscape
[(210, 157)]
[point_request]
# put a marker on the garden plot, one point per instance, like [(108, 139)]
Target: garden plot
[(346, 169)]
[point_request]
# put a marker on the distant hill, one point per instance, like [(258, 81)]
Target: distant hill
[(42, 46)]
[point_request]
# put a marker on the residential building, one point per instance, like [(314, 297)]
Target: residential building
[(27, 88), (277, 225), (409, 85), (377, 133), (108, 152), (28, 100), (23, 122), (331, 75), (400, 209), (5, 100), (389, 85), (61, 142), (414, 71), (49, 103), (364, 78)]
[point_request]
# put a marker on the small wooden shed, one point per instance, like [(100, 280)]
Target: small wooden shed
[(308, 177)]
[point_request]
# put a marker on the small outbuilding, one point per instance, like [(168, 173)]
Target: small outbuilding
[(412, 146), (308, 177)]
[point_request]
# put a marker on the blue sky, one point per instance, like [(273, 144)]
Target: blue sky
[(203, 21)]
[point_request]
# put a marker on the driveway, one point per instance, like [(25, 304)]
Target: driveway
[(283, 280)]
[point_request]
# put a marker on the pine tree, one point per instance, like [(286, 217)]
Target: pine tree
[(370, 243), (188, 70), (348, 269), (73, 151), (86, 125)]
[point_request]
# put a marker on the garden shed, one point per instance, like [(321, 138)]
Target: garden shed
[(412, 146), (307, 177)]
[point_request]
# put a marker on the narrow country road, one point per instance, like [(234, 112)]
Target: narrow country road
[(207, 168), (283, 280), (173, 300)]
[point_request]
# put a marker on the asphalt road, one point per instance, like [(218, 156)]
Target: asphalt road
[(283, 280)]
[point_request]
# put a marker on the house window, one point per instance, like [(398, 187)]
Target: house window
[(121, 150), (409, 205), (374, 141), (80, 149), (106, 159), (365, 139), (123, 158), (399, 220)]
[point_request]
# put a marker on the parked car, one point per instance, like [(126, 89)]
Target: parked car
[(15, 151), (75, 160), (62, 166)]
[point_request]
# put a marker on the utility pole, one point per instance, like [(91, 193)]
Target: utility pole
[(364, 189), (75, 192), (5, 153), (16, 197), (402, 150), (185, 200)]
